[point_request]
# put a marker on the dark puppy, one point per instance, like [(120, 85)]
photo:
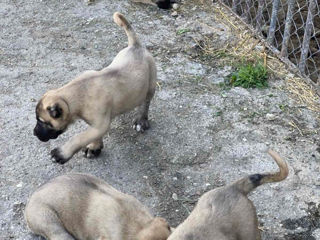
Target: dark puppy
[(164, 4), (226, 213)]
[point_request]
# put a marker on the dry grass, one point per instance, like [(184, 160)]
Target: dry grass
[(252, 48)]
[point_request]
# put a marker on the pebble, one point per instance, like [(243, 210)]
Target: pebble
[(174, 196), (174, 14), (270, 116), (175, 6), (259, 48)]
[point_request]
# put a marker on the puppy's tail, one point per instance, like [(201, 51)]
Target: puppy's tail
[(247, 184), (122, 22)]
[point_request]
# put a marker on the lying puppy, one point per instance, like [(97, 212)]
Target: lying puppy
[(82, 207), (97, 97), (226, 213), (164, 4)]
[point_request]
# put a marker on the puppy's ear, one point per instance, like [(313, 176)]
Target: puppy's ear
[(55, 111)]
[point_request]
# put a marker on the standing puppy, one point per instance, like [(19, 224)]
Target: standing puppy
[(97, 97), (226, 213), (82, 207)]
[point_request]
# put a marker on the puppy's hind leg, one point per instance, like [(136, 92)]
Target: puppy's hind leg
[(141, 122), (93, 149), (45, 222)]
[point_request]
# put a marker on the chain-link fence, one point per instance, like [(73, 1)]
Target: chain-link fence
[(291, 26)]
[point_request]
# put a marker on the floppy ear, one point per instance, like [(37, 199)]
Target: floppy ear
[(55, 111)]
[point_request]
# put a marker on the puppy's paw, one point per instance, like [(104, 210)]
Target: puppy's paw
[(91, 153), (58, 156), (140, 125)]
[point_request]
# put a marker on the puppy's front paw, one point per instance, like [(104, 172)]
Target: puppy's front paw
[(91, 153), (58, 157), (140, 125)]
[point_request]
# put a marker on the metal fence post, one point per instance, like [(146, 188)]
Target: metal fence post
[(235, 5), (307, 36), (261, 6), (273, 22), (287, 29)]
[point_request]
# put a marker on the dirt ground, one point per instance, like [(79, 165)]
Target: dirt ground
[(202, 135)]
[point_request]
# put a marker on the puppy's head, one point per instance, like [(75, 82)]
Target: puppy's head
[(157, 229), (52, 113)]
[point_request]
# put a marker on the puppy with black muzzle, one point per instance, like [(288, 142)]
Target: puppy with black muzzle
[(226, 213), (83, 207), (97, 97)]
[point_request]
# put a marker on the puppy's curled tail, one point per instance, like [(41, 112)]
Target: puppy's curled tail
[(247, 184), (122, 22)]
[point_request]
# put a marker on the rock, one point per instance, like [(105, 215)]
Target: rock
[(175, 6), (316, 233), (216, 79), (174, 196), (270, 116), (259, 48), (226, 71), (174, 14)]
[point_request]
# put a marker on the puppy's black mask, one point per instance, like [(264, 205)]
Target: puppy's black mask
[(44, 132)]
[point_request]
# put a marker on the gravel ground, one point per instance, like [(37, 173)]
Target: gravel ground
[(201, 137)]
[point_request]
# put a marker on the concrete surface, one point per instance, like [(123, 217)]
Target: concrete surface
[(201, 137)]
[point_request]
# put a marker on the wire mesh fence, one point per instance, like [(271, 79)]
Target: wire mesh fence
[(291, 26)]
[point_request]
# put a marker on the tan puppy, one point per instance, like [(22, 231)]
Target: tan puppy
[(97, 97), (83, 207), (226, 213)]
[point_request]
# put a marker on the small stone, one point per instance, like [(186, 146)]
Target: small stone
[(145, 177), (175, 178), (259, 48), (270, 116), (175, 6), (290, 75), (19, 185), (174, 14), (174, 196)]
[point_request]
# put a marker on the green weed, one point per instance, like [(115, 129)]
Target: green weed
[(182, 31), (250, 76)]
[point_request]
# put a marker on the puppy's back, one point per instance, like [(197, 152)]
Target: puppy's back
[(77, 202)]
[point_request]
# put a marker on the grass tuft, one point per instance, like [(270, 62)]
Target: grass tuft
[(250, 76)]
